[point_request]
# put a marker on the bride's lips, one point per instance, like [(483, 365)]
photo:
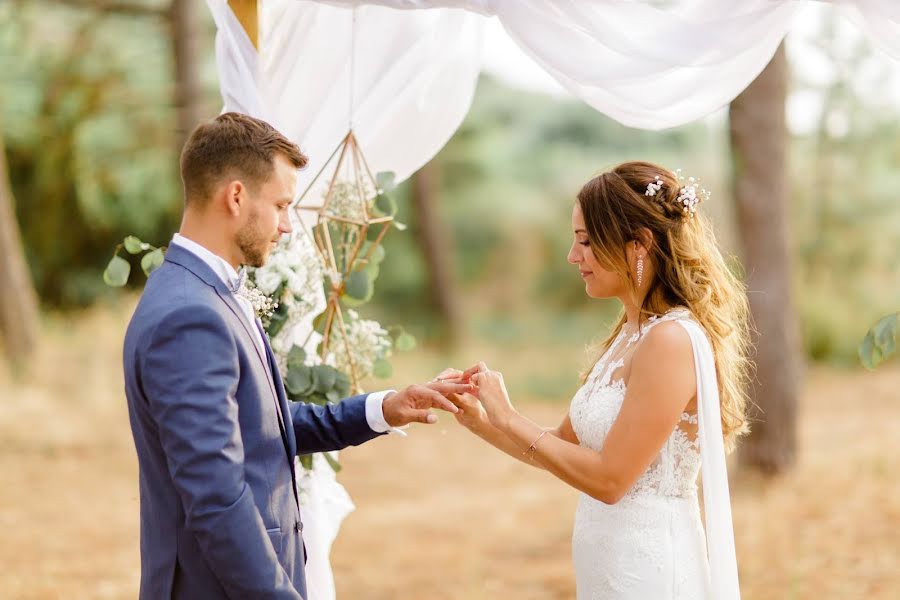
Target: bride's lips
[(585, 274)]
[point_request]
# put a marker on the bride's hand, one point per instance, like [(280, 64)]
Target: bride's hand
[(493, 395), (471, 413)]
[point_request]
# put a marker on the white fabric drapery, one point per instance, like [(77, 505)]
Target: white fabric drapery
[(404, 77), (716, 498)]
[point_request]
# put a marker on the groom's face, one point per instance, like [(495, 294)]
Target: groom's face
[(267, 217)]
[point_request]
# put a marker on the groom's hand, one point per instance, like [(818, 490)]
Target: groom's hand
[(414, 404)]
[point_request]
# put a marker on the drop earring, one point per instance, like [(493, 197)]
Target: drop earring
[(640, 272)]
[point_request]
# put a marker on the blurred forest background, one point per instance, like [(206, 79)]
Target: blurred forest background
[(90, 119)]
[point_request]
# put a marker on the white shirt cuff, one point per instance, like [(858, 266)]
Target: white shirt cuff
[(375, 413)]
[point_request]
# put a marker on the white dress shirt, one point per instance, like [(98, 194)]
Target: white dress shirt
[(223, 269)]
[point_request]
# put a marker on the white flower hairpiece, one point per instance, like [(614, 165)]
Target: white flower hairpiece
[(689, 194), (654, 186)]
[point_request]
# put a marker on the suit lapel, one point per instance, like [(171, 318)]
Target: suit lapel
[(183, 257), (290, 440)]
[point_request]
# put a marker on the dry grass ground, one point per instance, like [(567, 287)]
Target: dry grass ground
[(439, 516)]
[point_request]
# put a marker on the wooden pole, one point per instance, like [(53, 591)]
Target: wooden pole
[(247, 13)]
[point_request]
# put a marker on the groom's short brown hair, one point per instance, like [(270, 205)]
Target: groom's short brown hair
[(235, 146)]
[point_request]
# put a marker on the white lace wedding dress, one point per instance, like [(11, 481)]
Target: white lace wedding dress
[(651, 544)]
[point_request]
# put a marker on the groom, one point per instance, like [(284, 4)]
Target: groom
[(214, 433)]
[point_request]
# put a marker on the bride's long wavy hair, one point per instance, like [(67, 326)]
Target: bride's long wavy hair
[(690, 270)]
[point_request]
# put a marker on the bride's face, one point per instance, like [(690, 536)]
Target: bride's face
[(598, 281)]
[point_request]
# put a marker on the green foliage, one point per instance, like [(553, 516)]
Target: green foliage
[(318, 384), (89, 125), (880, 341), (118, 269)]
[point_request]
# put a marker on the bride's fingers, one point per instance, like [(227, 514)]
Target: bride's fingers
[(479, 367), (466, 402), (449, 374)]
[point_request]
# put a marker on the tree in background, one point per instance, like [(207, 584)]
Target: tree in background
[(18, 300), (94, 122), (433, 237), (759, 138)]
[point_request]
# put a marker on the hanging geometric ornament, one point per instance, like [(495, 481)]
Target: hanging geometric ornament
[(353, 214)]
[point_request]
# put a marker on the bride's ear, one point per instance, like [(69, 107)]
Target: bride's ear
[(643, 240)]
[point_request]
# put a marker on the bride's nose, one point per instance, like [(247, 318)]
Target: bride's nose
[(572, 257)]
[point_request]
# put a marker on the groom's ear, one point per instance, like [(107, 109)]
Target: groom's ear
[(234, 197)]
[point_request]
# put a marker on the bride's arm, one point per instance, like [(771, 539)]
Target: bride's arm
[(473, 416), (660, 385)]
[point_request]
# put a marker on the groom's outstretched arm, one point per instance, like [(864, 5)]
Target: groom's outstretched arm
[(361, 418), (190, 375)]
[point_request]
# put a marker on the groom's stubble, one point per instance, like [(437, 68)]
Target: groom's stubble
[(253, 243)]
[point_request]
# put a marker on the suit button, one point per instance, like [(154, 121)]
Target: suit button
[(299, 526)]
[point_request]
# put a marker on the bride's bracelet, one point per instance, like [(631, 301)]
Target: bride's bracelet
[(531, 449)]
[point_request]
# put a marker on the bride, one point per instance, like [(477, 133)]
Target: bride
[(664, 397)]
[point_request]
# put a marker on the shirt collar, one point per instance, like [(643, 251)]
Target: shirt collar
[(221, 267)]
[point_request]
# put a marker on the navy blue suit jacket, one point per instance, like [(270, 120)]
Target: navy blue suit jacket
[(215, 439)]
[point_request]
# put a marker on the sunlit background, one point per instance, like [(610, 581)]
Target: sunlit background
[(89, 134)]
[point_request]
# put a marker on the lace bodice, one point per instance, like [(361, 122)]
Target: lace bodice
[(597, 404)]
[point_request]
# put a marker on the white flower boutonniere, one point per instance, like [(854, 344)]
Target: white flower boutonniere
[(263, 305)]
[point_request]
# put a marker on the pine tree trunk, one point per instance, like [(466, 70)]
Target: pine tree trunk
[(759, 151), (186, 35), (432, 237), (18, 300)]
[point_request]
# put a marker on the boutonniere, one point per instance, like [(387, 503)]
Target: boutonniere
[(264, 306)]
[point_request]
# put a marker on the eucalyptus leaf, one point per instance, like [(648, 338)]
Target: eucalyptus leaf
[(325, 378), (386, 205), (359, 286), (382, 369), (299, 380), (342, 384), (306, 461), (278, 320), (378, 255), (296, 357), (399, 226), (320, 322), (117, 271), (135, 246), (405, 343), (152, 261), (318, 399), (886, 334), (880, 342), (386, 180)]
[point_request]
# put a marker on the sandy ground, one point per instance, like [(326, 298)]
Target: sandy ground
[(439, 514)]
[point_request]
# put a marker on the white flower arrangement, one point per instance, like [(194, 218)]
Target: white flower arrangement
[(367, 343), (345, 200)]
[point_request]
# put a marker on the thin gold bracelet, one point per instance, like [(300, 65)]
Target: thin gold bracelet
[(533, 447)]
